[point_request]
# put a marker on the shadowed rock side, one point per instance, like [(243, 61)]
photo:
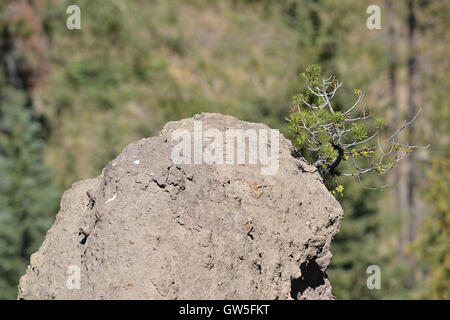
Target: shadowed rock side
[(149, 229)]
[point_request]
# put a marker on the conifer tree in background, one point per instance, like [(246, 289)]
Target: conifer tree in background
[(28, 201), (325, 28), (433, 241), (138, 64)]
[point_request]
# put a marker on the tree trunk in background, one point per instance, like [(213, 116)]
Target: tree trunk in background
[(411, 65), (400, 188)]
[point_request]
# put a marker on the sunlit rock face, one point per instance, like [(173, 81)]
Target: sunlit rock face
[(150, 227)]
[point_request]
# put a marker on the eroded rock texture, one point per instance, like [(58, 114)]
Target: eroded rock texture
[(147, 228)]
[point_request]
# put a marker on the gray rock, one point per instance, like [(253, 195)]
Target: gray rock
[(147, 228)]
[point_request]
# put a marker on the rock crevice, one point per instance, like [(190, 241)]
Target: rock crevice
[(148, 228)]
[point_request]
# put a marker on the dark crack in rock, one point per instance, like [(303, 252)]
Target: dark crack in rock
[(147, 228)]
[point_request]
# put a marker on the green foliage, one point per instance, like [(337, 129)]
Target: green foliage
[(326, 151), (27, 199), (319, 129), (331, 33), (137, 64), (367, 237), (433, 243), (432, 247), (322, 131), (380, 123), (311, 76), (359, 132)]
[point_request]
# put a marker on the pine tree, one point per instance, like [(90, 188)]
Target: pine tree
[(27, 198), (433, 242)]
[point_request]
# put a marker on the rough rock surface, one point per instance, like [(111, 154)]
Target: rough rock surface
[(149, 229)]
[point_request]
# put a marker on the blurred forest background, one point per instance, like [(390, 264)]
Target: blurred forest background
[(71, 100)]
